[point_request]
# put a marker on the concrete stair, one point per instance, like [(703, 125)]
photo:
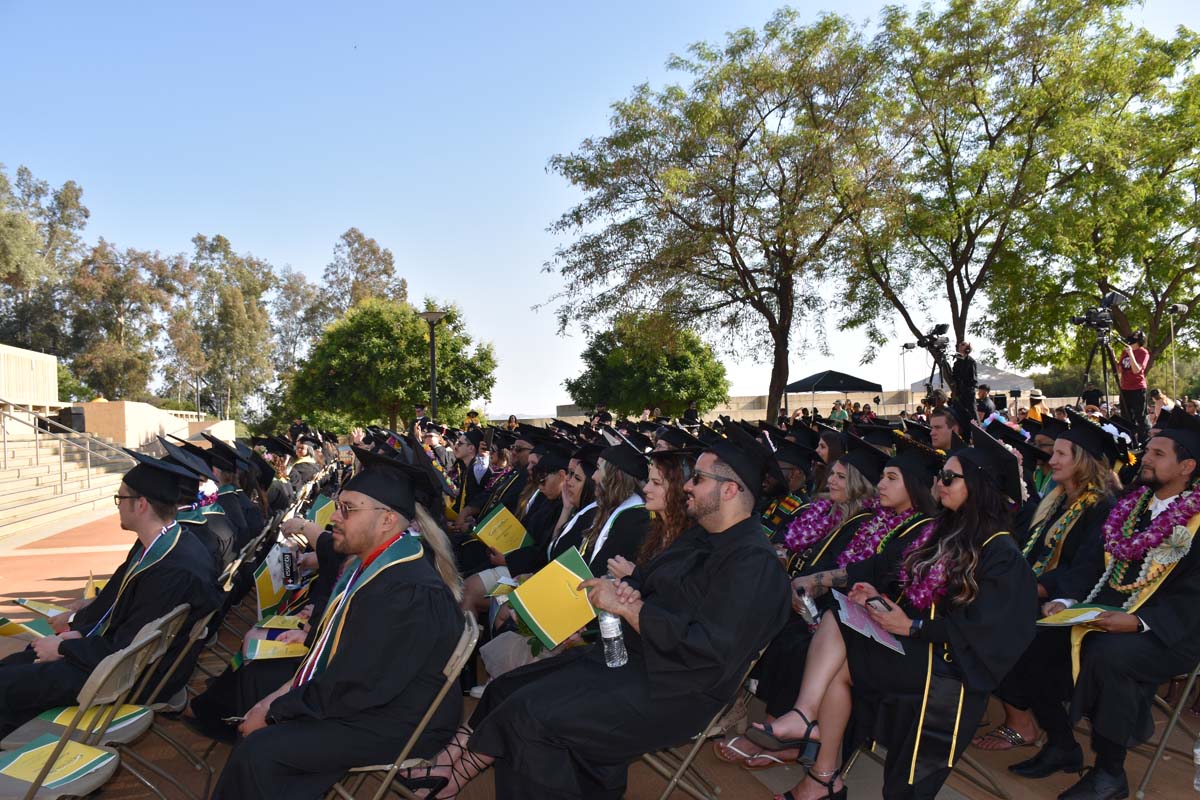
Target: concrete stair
[(45, 480)]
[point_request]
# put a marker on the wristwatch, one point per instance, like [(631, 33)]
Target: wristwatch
[(914, 628)]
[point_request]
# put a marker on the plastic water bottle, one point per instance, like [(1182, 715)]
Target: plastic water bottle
[(1196, 761), (613, 637)]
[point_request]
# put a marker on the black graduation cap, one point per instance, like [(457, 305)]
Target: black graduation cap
[(797, 455), (474, 436), (223, 453), (824, 427), (186, 459), (677, 438), (1164, 418), (745, 435), (640, 443), (329, 436), (916, 430), (531, 434), (627, 459), (917, 459), (1098, 442), (707, 435), (552, 456), (803, 435), (998, 464), (204, 454), (274, 445), (865, 457), (589, 455), (878, 435), (565, 427), (502, 440), (437, 482), (746, 458), (1014, 438), (647, 426), (1183, 428), (309, 439), (386, 478), (160, 480), (1032, 426), (264, 474), (1052, 427), (964, 417)]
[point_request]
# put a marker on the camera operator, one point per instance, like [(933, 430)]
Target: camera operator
[(963, 377), (1132, 368)]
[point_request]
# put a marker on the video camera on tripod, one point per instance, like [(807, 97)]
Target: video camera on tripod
[(1101, 319), (937, 343)]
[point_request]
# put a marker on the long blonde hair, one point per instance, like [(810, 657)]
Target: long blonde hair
[(443, 554), (1089, 474)]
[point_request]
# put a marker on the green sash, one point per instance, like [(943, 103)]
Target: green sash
[(159, 549), (406, 548)]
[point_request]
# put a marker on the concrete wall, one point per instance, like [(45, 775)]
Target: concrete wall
[(137, 424), (28, 377)]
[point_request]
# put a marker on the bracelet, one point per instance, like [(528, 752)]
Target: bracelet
[(914, 628)]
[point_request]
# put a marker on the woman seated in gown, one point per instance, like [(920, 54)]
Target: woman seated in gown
[(961, 601)]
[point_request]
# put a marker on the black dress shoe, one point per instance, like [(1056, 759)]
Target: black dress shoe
[(1049, 760), (1098, 785)]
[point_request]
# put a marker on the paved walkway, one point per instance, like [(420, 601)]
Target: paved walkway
[(53, 565)]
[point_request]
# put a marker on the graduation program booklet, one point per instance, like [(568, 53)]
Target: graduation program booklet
[(75, 761), (1075, 615), (268, 580), (259, 649), (280, 622), (321, 511), (501, 531), (856, 618), (25, 631), (38, 607), (550, 602)]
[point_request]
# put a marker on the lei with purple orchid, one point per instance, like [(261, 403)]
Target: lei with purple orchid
[(812, 524), (931, 586), (1124, 543), (870, 537)]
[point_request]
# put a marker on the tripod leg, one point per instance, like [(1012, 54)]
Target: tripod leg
[(1087, 373)]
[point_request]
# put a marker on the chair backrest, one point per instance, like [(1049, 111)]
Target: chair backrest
[(199, 631), (454, 666), (169, 625)]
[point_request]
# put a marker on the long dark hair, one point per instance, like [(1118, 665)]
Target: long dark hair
[(960, 535), (918, 492), (666, 525), (837, 448)]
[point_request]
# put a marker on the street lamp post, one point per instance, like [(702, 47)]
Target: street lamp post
[(433, 318)]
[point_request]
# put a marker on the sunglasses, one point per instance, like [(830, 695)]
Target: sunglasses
[(698, 474), (947, 477)]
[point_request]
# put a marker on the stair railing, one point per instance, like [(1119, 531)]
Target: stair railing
[(40, 433)]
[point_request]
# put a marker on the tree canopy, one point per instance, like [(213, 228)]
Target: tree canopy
[(646, 361)]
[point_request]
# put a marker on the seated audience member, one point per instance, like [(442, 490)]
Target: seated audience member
[(165, 567), (694, 618), (376, 659)]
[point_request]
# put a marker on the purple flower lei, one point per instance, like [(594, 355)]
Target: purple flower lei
[(932, 586), (1123, 543), (812, 524), (867, 538)]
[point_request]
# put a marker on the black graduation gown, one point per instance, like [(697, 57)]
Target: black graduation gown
[(184, 575), (539, 524), (301, 473), (568, 726), (252, 514), (211, 528), (227, 497), (279, 496), (1119, 672), (399, 630), (507, 491), (624, 539), (940, 685), (573, 537)]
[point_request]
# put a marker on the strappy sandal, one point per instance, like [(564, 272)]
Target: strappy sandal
[(720, 748), (809, 747), (464, 767), (830, 794), (1003, 733)]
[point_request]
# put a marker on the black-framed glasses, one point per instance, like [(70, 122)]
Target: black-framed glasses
[(947, 477), (699, 473), (346, 510), (117, 498)]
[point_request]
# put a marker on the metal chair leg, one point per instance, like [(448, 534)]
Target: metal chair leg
[(1172, 721)]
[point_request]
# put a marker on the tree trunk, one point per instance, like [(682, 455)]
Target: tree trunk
[(779, 372), (393, 413)]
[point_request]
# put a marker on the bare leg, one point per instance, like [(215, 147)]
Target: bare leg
[(826, 659), (474, 596), (835, 716)]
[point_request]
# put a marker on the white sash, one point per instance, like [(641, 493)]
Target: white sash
[(532, 497), (633, 501), (570, 524)]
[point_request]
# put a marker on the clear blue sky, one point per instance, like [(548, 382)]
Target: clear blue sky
[(429, 128)]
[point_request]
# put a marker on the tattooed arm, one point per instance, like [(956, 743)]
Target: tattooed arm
[(818, 583)]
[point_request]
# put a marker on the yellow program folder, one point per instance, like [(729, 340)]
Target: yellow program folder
[(501, 531), (550, 603)]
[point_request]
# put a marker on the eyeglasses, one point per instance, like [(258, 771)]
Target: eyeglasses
[(947, 477), (346, 510), (698, 474), (516, 448), (117, 498)]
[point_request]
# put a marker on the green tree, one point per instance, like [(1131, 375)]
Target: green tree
[(299, 311), (70, 388), (360, 269), (234, 323), (646, 361), (373, 364), (717, 202), (990, 95)]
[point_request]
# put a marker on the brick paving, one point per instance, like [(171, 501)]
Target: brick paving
[(55, 568)]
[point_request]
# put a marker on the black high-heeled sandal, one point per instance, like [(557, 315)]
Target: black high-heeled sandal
[(461, 766), (809, 748), (830, 794)]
